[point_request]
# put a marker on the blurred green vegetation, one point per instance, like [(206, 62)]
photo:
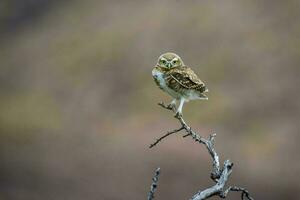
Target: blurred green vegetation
[(26, 112)]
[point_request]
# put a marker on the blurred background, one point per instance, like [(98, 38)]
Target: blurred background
[(78, 106)]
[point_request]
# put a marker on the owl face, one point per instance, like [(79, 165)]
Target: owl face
[(169, 61)]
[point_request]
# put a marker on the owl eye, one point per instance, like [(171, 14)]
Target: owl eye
[(175, 62), (163, 61)]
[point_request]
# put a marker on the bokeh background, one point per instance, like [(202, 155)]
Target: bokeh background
[(78, 103)]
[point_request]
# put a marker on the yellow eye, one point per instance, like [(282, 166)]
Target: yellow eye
[(162, 62), (174, 62)]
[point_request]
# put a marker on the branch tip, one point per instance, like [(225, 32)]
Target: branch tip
[(154, 184)]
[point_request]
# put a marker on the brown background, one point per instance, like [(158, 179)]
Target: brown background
[(78, 103)]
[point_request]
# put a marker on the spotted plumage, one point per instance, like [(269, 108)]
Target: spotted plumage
[(178, 80)]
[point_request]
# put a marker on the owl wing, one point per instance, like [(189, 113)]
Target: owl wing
[(185, 78)]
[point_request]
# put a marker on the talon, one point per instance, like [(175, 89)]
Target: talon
[(178, 115), (171, 106)]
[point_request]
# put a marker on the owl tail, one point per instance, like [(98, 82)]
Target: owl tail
[(203, 96)]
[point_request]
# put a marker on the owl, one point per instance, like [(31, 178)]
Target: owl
[(178, 80)]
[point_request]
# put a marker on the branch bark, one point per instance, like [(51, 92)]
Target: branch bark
[(154, 184), (219, 175)]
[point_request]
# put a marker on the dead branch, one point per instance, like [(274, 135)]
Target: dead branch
[(154, 184), (219, 175)]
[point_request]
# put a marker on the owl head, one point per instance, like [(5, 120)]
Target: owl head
[(169, 61)]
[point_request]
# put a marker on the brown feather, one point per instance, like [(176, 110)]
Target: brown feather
[(184, 78)]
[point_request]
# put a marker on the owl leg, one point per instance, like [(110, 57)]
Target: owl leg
[(173, 102), (172, 105), (179, 110)]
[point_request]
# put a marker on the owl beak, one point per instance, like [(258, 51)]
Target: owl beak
[(169, 65)]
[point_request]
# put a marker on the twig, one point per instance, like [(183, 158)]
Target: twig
[(164, 136), (154, 184), (244, 195), (219, 175)]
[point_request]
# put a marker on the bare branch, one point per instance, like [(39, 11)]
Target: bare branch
[(219, 175), (244, 195), (218, 188), (164, 136), (154, 184), (209, 143)]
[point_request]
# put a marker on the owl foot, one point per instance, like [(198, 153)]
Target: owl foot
[(178, 115), (168, 106), (171, 106)]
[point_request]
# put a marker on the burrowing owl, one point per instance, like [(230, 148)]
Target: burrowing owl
[(178, 80)]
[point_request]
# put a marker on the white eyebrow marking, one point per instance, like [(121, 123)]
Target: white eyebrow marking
[(162, 58)]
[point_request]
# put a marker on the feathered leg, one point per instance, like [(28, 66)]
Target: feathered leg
[(179, 110)]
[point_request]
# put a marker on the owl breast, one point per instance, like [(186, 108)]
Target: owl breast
[(160, 81)]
